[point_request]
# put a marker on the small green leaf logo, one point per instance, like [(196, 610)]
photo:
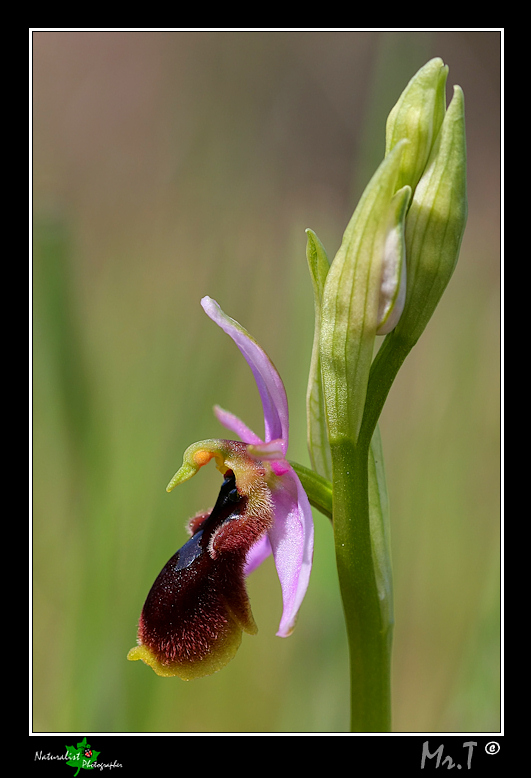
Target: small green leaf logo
[(82, 757)]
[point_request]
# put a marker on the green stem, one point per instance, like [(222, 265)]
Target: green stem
[(364, 570), (369, 628), (384, 369)]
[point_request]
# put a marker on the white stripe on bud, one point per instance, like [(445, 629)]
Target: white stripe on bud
[(393, 282)]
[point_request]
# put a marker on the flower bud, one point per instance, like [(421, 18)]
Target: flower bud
[(411, 215), (436, 222), (418, 116)]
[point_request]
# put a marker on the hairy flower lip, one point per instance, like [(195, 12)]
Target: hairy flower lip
[(194, 613)]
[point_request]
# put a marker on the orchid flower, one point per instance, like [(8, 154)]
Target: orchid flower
[(193, 617)]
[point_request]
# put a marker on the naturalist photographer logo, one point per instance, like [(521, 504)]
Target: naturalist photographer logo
[(81, 757)]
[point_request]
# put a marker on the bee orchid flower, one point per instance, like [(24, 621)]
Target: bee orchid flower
[(192, 621)]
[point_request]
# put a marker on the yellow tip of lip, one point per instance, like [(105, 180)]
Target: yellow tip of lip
[(223, 652)]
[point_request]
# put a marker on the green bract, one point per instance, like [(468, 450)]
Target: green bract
[(317, 431), (350, 303)]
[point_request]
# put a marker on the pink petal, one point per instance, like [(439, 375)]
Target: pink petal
[(270, 386), (257, 554), (292, 542), (234, 424)]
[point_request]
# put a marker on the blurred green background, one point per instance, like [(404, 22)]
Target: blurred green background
[(170, 165)]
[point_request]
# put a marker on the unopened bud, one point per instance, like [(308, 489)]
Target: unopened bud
[(417, 116), (436, 222)]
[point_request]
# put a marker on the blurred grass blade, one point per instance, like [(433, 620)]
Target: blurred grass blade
[(60, 337)]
